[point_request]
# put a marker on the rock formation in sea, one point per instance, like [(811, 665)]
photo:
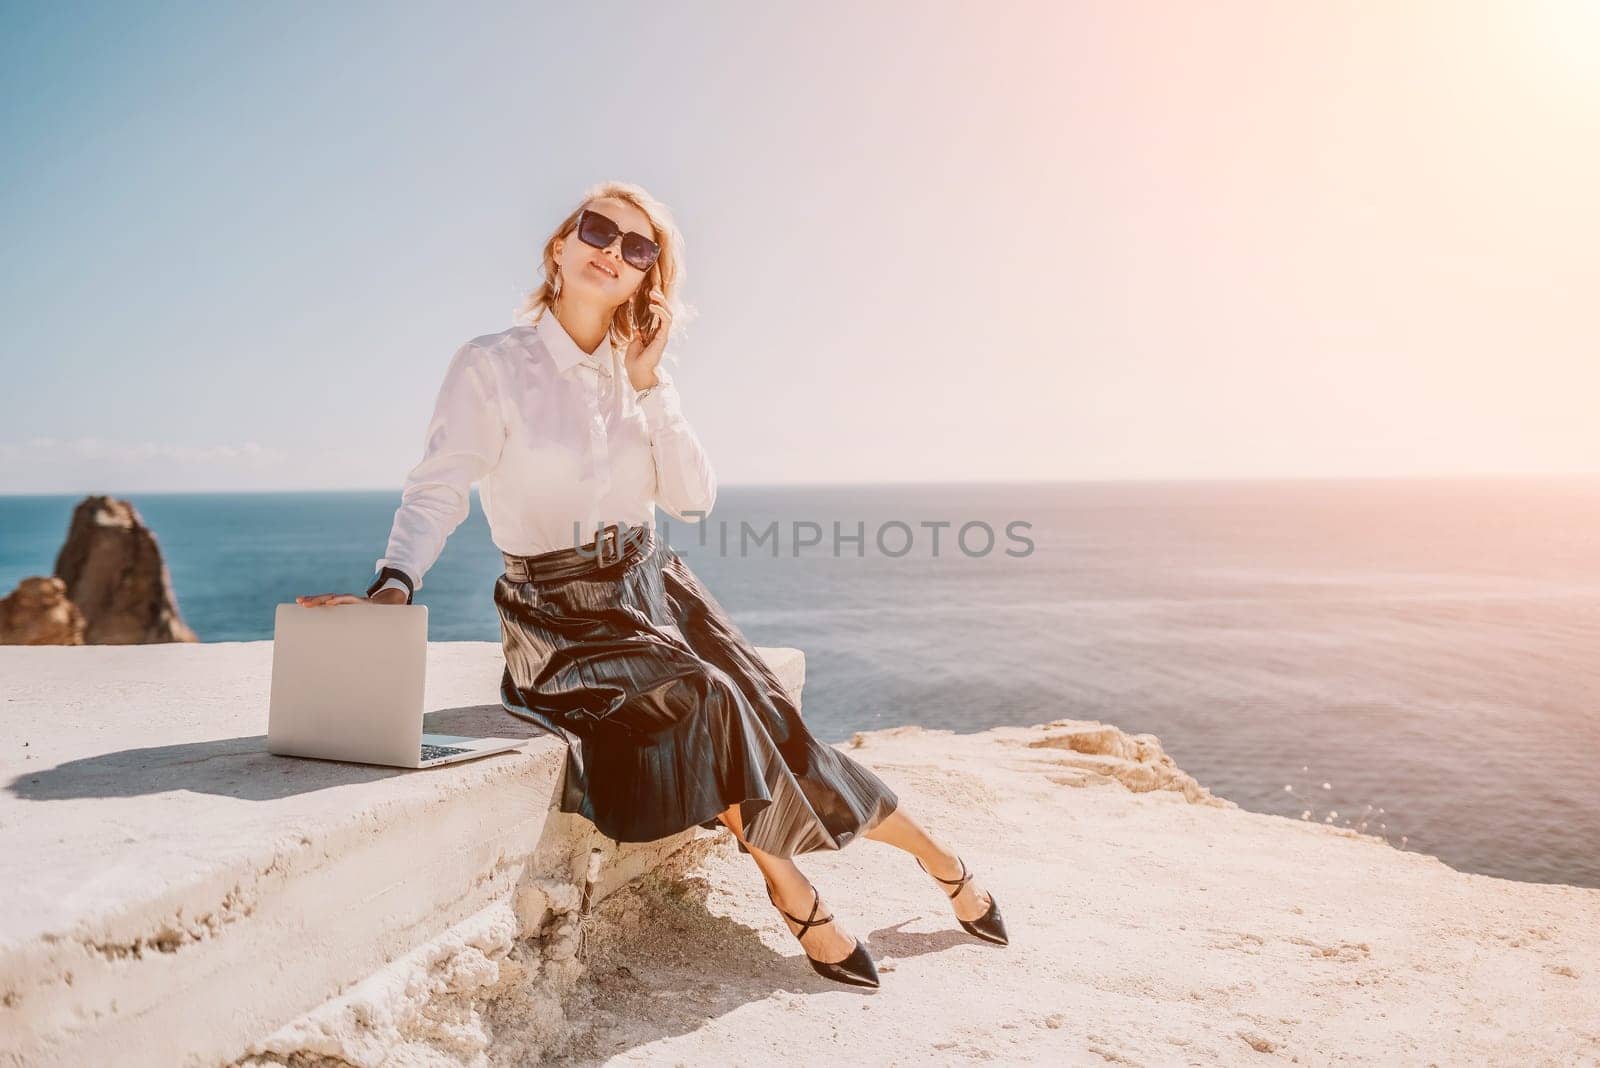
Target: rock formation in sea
[(115, 575), (38, 612)]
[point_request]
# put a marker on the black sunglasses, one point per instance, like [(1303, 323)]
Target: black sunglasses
[(597, 230)]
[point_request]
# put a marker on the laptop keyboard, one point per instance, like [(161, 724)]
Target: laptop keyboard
[(430, 752)]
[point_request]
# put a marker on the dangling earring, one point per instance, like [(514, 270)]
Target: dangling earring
[(555, 290)]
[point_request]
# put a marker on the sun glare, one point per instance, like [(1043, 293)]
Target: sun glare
[(1568, 33)]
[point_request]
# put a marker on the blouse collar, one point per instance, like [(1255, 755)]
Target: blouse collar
[(567, 352)]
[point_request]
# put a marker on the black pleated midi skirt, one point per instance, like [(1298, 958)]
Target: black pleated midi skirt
[(669, 714)]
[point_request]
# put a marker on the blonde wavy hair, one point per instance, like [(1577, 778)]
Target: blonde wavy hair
[(666, 273)]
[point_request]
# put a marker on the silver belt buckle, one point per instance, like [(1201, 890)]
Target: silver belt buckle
[(606, 549)]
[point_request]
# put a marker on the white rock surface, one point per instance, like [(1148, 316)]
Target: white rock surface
[(1150, 925), (175, 894)]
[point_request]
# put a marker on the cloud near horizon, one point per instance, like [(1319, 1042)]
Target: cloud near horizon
[(90, 464)]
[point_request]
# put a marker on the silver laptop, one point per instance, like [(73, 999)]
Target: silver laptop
[(347, 684)]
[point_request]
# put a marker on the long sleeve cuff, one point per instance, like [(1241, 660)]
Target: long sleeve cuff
[(663, 406), (390, 576)]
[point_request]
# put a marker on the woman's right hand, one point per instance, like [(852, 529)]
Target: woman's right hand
[(385, 596)]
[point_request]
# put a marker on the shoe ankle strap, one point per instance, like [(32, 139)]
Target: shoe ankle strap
[(957, 883), (809, 922)]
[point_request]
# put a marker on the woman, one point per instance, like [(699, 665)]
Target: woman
[(670, 716)]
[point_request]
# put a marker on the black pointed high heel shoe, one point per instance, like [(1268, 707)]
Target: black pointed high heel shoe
[(857, 969), (989, 927)]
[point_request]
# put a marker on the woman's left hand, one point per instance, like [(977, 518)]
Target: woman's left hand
[(642, 358)]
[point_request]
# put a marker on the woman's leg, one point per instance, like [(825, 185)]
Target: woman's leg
[(901, 831), (828, 942)]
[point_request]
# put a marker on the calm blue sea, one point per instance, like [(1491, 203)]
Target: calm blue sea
[(1429, 649)]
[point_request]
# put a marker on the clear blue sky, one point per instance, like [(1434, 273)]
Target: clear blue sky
[(926, 241)]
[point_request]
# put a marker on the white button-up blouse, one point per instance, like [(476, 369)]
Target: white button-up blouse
[(558, 441)]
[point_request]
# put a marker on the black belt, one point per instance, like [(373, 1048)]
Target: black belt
[(614, 544)]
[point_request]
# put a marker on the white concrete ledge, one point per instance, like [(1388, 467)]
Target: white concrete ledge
[(176, 895)]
